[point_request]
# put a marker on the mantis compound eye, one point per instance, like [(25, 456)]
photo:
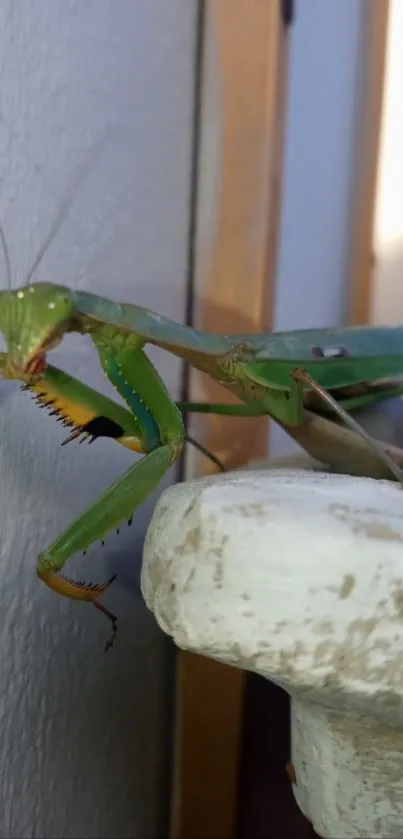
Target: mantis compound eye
[(34, 320)]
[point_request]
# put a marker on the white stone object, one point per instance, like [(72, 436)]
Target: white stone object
[(298, 575)]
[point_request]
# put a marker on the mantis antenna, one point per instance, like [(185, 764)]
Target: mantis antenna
[(66, 204), (6, 256)]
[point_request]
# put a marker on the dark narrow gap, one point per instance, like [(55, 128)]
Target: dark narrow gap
[(266, 805), (193, 196), (171, 651)]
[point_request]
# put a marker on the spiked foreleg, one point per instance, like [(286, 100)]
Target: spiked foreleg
[(85, 412), (135, 378), (109, 510), (93, 415)]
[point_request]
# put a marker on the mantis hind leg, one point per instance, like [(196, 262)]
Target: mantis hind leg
[(288, 408), (217, 408), (300, 376), (285, 406)]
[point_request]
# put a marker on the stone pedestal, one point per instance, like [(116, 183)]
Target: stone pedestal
[(298, 575)]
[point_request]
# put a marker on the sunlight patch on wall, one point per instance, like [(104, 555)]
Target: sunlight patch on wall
[(387, 303)]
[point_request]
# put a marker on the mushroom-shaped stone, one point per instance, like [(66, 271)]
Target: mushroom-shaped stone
[(298, 575)]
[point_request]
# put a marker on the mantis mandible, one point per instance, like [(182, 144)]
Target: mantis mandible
[(283, 375)]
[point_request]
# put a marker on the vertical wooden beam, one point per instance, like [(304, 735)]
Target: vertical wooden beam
[(369, 117), (239, 184), (239, 188)]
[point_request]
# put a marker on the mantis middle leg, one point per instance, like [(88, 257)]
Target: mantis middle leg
[(287, 406)]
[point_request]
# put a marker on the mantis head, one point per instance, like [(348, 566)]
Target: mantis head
[(33, 320)]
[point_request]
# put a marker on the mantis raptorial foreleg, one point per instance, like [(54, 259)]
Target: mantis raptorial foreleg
[(128, 369), (109, 510), (89, 415)]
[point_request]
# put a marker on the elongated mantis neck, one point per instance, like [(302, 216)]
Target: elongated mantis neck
[(184, 341)]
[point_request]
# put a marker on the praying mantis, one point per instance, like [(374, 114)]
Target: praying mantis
[(294, 377)]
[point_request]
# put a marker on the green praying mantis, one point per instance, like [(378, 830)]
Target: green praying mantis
[(294, 377)]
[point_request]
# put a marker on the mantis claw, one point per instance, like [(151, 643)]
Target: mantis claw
[(80, 590), (75, 589)]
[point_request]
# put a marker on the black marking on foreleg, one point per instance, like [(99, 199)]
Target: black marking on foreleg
[(95, 428), (103, 427), (98, 426)]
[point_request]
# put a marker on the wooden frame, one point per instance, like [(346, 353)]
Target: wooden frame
[(243, 76), (369, 118), (238, 190)]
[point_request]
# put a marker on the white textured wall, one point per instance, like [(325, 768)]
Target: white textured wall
[(83, 735), (325, 51)]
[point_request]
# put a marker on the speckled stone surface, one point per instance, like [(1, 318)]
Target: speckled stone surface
[(297, 575)]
